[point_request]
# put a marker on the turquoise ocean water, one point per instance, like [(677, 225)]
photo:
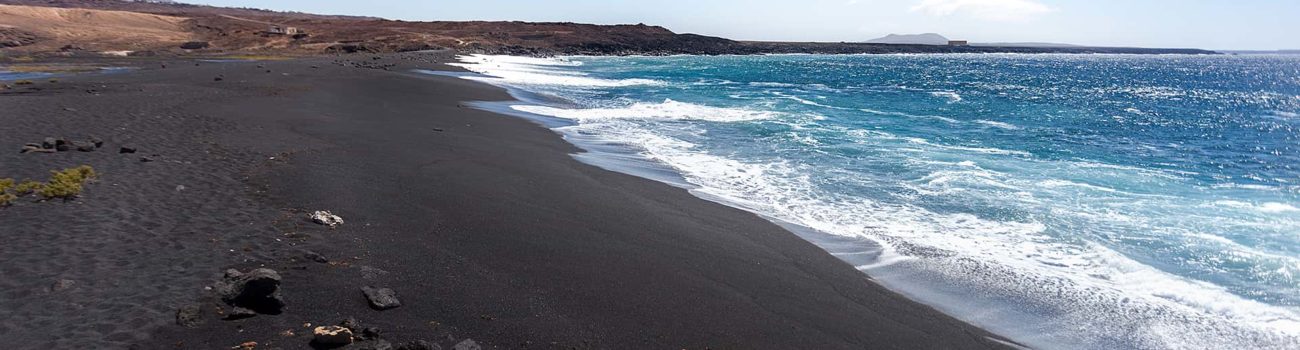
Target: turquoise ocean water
[(1065, 201)]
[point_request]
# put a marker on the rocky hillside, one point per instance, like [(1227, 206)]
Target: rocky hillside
[(249, 30)]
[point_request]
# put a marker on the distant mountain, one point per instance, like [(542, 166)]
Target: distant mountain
[(936, 39), (912, 39)]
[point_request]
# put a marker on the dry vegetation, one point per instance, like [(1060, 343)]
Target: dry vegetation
[(64, 184)]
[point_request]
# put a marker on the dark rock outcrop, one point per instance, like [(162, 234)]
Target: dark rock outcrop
[(257, 290)]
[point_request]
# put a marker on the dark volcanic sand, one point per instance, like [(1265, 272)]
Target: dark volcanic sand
[(487, 230)]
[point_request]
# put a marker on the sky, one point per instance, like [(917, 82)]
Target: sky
[(1208, 24)]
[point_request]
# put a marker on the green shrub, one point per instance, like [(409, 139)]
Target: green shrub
[(5, 197), (84, 172), (23, 82), (67, 184), (28, 187)]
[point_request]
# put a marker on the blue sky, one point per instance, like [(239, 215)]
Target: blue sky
[(1211, 24)]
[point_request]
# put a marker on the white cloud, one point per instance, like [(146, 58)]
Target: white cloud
[(992, 10)]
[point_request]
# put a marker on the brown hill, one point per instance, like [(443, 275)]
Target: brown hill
[(250, 30), (48, 28)]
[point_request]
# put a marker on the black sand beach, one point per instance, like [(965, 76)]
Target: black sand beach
[(483, 224)]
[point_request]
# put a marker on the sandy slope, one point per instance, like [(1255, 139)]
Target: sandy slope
[(95, 29)]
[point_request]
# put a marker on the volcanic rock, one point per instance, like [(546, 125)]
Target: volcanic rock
[(381, 298), (257, 290), (331, 336)]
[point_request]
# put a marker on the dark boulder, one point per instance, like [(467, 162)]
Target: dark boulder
[(257, 290), (381, 298), (125, 149), (49, 143)]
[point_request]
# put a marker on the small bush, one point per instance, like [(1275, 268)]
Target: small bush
[(23, 82), (28, 187), (67, 184), (5, 197), (84, 172)]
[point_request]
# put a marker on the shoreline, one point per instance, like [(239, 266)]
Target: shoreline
[(1010, 310), (865, 255), (484, 224)]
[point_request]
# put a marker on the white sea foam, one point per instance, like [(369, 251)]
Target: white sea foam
[(985, 150), (803, 100), (1087, 292), (667, 110), (525, 71), (952, 97), (998, 124), (771, 84), (1274, 207), (901, 114)]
